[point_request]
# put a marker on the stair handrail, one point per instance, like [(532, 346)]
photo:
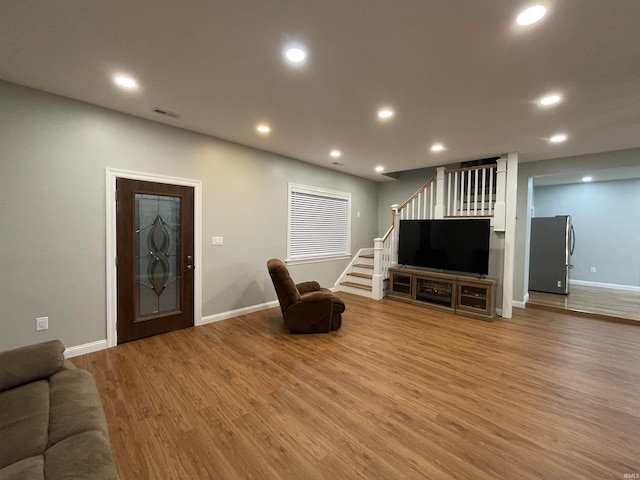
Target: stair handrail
[(417, 193), (388, 232), (385, 246)]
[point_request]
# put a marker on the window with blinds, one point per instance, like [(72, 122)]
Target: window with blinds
[(319, 223)]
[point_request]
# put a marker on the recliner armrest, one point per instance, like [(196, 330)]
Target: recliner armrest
[(30, 363), (318, 296), (305, 287)]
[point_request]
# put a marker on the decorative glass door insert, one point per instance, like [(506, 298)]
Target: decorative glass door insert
[(157, 255)]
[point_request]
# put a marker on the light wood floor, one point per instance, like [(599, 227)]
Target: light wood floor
[(400, 392), (602, 301)]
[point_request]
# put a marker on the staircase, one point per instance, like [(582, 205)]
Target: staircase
[(358, 277), (456, 193)]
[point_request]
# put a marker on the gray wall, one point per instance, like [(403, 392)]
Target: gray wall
[(52, 211), (526, 172), (606, 218), (398, 191)]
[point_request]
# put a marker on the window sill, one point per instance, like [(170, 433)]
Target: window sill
[(332, 258)]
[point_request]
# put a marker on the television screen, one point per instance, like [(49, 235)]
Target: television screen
[(460, 245)]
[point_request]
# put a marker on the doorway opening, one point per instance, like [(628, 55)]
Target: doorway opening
[(603, 267)]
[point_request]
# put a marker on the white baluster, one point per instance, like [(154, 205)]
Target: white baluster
[(468, 193), (393, 252), (475, 195), (424, 205), (484, 184), (490, 191), (439, 186), (455, 194), (431, 205)]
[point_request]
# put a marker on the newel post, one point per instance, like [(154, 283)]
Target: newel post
[(499, 212), (393, 254), (377, 280), (439, 210)]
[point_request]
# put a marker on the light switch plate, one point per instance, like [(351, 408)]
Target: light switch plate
[(217, 241), (42, 323)]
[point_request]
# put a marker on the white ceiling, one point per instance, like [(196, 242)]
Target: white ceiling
[(458, 72)]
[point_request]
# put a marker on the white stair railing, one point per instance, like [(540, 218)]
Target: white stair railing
[(421, 204), (471, 191), (461, 192)]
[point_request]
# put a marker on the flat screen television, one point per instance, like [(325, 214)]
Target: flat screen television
[(460, 245)]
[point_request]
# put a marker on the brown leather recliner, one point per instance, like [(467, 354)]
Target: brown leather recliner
[(306, 307)]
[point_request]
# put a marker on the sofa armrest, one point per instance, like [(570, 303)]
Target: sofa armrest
[(28, 364), (305, 287)]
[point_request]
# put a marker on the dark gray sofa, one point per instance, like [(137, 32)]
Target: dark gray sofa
[(52, 423)]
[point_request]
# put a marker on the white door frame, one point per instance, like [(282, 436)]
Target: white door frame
[(112, 278)]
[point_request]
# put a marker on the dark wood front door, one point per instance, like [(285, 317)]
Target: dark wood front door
[(154, 224)]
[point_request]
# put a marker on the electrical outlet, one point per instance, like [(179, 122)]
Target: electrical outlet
[(593, 269), (217, 241), (559, 283), (42, 323)]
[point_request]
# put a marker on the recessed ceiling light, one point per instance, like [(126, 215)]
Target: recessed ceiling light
[(531, 15), (437, 147), (125, 81), (379, 169), (558, 138), (295, 54), (587, 179), (385, 113), (335, 153), (550, 99), (263, 128)]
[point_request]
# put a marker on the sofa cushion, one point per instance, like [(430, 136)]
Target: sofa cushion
[(27, 364), (31, 468), (75, 405), (24, 422), (86, 455)]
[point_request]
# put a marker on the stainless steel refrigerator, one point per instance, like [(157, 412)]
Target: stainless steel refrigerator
[(552, 243)]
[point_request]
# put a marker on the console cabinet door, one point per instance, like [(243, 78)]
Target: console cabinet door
[(401, 284)]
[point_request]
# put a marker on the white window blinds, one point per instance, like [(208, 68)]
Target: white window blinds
[(318, 223)]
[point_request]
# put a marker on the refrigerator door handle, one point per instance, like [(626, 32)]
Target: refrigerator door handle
[(572, 237)]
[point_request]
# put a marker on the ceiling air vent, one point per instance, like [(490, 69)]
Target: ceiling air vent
[(166, 113)]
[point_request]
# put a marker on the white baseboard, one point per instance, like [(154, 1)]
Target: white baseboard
[(240, 311), (522, 304), (98, 345), (612, 286), (85, 348)]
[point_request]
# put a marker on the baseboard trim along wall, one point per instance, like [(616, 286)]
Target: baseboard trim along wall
[(613, 286), (85, 348), (522, 304), (91, 347), (240, 311)]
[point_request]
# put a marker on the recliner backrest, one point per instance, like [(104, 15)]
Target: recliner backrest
[(286, 289)]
